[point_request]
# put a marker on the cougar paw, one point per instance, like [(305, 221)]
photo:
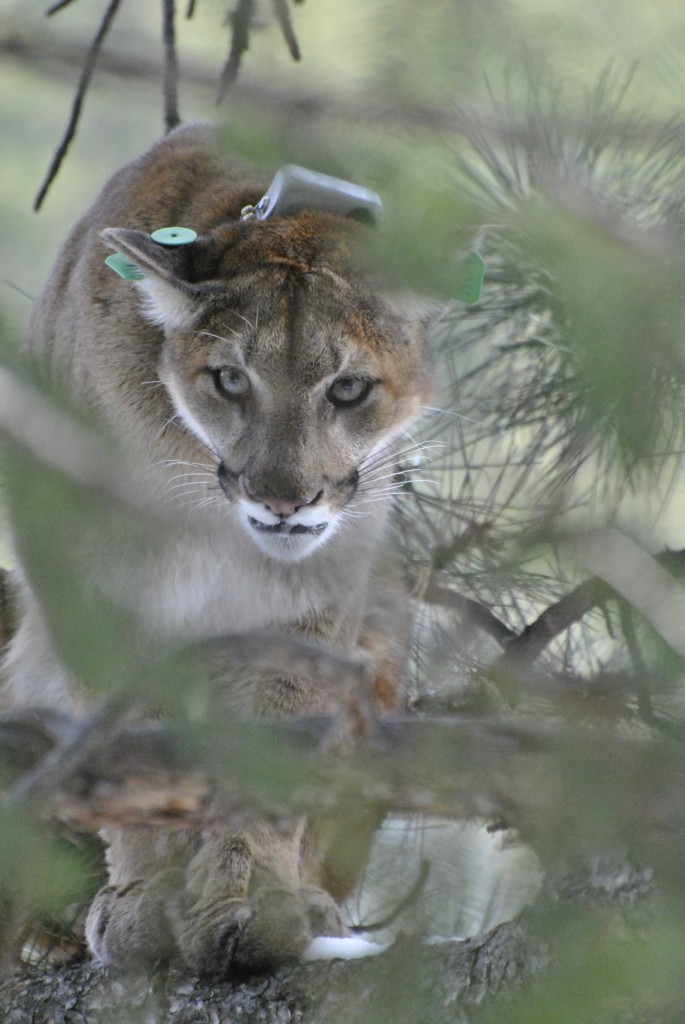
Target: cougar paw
[(127, 926), (230, 936)]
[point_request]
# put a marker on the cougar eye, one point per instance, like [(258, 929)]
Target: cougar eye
[(349, 391), (231, 381)]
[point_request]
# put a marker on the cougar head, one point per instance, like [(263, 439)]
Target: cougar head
[(290, 375)]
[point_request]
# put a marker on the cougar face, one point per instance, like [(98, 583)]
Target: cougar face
[(291, 377)]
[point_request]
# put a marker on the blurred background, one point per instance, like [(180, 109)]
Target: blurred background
[(397, 70)]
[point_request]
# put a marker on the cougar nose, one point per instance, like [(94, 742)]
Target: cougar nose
[(284, 506)]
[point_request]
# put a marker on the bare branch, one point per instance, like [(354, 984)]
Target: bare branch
[(8, 608), (84, 81), (70, 754), (240, 41), (241, 19), (171, 114), (282, 12), (528, 645), (481, 616), (58, 6)]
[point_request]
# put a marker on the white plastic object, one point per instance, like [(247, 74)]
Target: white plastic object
[(296, 188)]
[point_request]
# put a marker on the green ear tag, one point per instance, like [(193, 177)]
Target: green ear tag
[(123, 267), (173, 236), (470, 275)]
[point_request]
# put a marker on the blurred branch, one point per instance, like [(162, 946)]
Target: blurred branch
[(82, 88), (171, 114), (524, 649), (282, 12), (77, 744), (54, 59), (9, 611), (54, 8), (41, 429), (527, 771), (638, 578), (241, 20), (76, 748), (433, 593)]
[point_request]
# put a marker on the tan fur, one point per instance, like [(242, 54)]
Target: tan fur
[(281, 305)]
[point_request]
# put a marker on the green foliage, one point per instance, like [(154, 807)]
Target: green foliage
[(95, 639), (43, 874)]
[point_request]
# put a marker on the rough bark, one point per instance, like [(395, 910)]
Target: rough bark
[(408, 982)]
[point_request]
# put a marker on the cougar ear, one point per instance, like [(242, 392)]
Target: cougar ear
[(165, 275)]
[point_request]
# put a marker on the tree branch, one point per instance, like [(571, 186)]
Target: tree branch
[(220, 773), (524, 649), (171, 114), (408, 983), (240, 41), (282, 12), (84, 81)]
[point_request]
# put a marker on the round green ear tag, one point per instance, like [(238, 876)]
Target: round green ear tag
[(173, 236)]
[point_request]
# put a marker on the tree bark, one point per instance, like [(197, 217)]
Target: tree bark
[(410, 983)]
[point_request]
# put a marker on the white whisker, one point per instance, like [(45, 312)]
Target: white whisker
[(205, 503), (194, 504), (249, 323), (381, 492), (192, 479), (218, 337), (451, 412), (401, 485), (381, 497), (390, 455), (188, 474), (168, 423), (183, 462), (401, 471), (181, 487), (190, 484), (188, 487), (192, 471)]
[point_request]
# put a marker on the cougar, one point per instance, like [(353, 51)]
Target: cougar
[(265, 387)]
